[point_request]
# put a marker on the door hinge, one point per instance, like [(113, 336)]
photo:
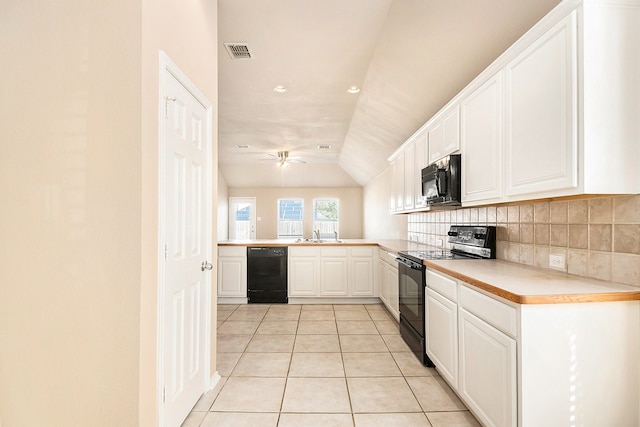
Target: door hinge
[(164, 394), (166, 251), (166, 106)]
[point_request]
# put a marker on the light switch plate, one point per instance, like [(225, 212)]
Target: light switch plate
[(557, 262)]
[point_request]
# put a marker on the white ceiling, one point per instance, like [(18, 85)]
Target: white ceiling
[(410, 57)]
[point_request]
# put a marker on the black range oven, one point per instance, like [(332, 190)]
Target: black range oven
[(466, 242), (411, 294)]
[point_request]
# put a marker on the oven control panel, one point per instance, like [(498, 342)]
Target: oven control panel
[(471, 235)]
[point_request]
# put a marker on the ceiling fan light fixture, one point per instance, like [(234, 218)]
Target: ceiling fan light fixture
[(353, 89), (280, 89)]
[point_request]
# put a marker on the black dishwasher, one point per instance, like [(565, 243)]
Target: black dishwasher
[(267, 275)]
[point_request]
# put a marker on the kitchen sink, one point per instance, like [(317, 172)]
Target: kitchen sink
[(327, 242)]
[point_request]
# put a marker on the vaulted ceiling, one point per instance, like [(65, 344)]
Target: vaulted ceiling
[(408, 57)]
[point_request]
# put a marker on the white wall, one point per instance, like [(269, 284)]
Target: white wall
[(70, 183), (351, 214), (78, 181), (378, 223)]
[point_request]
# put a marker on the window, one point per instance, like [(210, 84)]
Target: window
[(290, 218), (325, 217)]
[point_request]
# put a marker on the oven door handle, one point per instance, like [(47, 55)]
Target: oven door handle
[(412, 265)]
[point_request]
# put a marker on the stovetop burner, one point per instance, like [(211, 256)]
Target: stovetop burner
[(433, 255)]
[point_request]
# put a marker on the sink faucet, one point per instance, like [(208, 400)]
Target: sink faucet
[(317, 233), (335, 233)]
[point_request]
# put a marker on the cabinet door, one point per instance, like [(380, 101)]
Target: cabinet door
[(541, 113), (409, 179), (333, 276), (394, 298), (481, 142), (362, 277), (393, 178), (302, 276), (444, 135), (488, 371), (383, 288), (441, 334), (232, 276), (420, 161), (399, 182)]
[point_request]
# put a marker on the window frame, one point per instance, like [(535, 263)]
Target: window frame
[(335, 230), (279, 220)]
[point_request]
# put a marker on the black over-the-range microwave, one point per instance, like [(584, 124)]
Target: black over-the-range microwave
[(441, 182)]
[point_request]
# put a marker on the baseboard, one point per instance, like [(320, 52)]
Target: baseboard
[(336, 300), (214, 381)]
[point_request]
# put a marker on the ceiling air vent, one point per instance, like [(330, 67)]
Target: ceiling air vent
[(238, 50)]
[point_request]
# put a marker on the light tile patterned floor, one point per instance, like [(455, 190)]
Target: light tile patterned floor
[(321, 365)]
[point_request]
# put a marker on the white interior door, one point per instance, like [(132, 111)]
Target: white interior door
[(242, 218), (187, 217)]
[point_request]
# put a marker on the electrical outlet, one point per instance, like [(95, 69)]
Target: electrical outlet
[(557, 262)]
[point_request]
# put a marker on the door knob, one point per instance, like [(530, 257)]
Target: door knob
[(206, 265)]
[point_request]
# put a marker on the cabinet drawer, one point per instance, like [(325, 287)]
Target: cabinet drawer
[(362, 251), (333, 252), (442, 284), (494, 312), (232, 251), (391, 259), (302, 251)]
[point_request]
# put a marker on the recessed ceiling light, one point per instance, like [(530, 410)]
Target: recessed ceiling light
[(280, 89), (353, 89)]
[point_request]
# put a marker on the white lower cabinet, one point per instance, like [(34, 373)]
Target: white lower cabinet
[(394, 292), (474, 357), (441, 335), (302, 271), (334, 276), (232, 274), (388, 282), (531, 365), (332, 271), (488, 371), (363, 272)]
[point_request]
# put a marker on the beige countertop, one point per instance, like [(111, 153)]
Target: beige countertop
[(515, 282), (293, 242), (528, 285)]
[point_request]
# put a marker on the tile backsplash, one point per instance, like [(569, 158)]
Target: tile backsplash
[(599, 237)]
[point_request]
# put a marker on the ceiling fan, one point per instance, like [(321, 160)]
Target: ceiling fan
[(283, 159)]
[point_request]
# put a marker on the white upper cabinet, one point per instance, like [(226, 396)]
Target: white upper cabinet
[(481, 142), (421, 160), (444, 134), (394, 181), (399, 182), (409, 179), (541, 114), (555, 115)]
